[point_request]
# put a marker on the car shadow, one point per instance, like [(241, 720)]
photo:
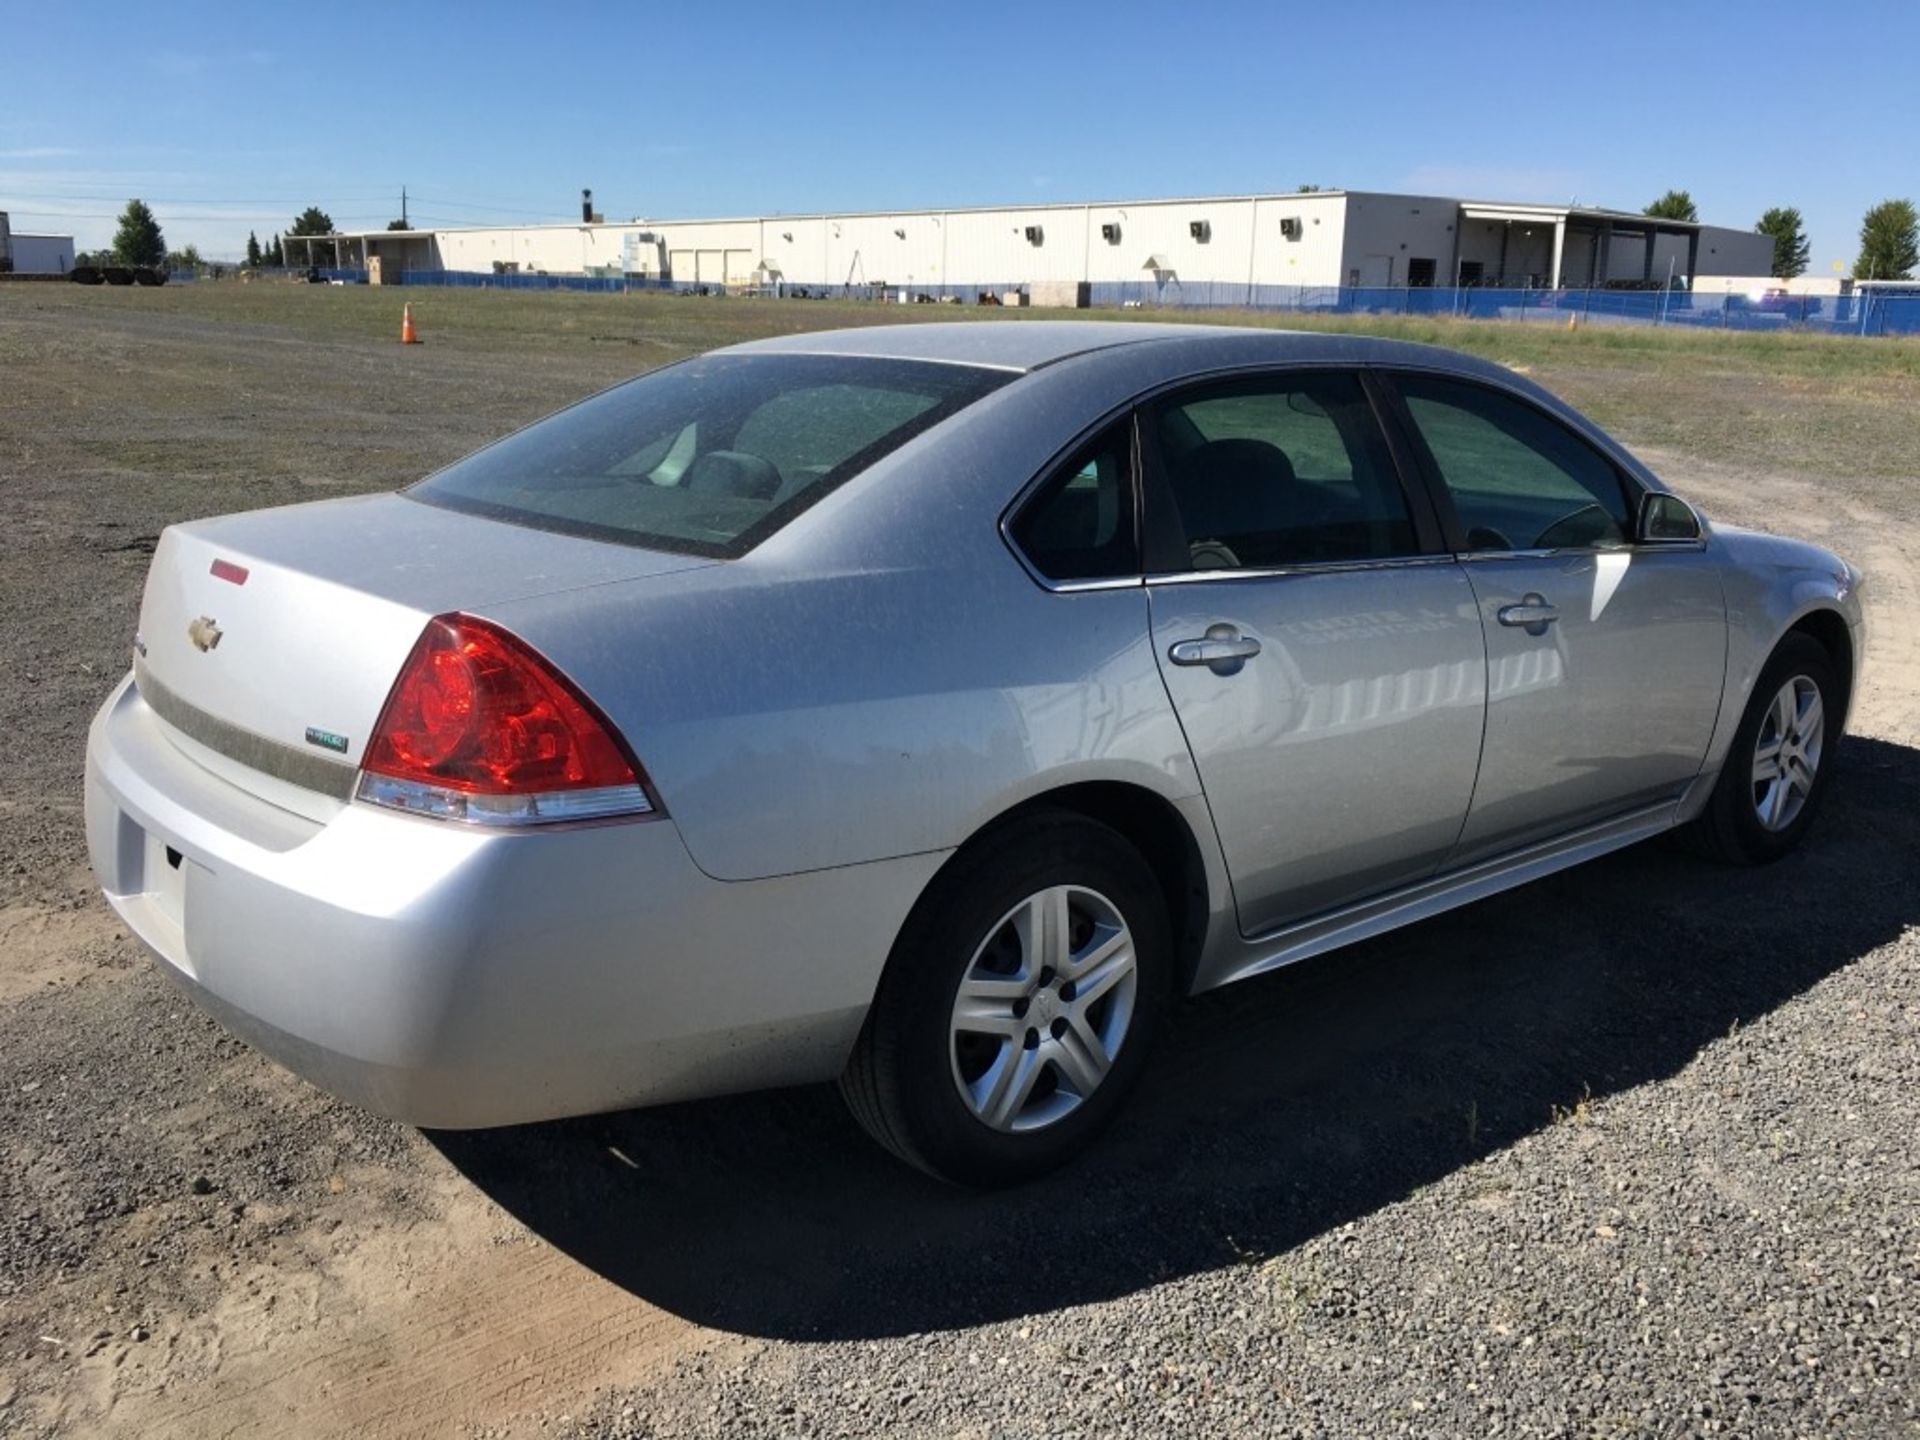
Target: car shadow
[(1275, 1110)]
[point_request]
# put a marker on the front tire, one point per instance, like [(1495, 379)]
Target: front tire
[(1780, 762), (1018, 1006)]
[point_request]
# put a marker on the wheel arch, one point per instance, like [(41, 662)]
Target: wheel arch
[(1150, 823), (1828, 628)]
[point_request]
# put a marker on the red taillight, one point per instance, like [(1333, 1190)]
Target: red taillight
[(480, 727)]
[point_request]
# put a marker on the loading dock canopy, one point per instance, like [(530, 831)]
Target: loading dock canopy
[(1583, 244)]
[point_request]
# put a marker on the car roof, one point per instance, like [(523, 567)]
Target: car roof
[(1024, 345), (1003, 344)]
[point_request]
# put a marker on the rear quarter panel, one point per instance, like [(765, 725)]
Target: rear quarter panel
[(829, 720)]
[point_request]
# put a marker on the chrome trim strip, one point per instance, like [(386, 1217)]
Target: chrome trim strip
[(1307, 938), (1325, 567), (256, 752), (1075, 587), (1655, 547)]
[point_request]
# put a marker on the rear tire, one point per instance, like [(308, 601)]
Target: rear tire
[(1018, 1006), (1780, 762)]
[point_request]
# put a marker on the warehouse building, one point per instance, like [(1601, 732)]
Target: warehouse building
[(26, 252), (1151, 248)]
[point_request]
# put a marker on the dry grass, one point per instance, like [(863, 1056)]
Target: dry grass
[(1808, 403)]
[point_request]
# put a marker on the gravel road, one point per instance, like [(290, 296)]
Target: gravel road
[(1632, 1151)]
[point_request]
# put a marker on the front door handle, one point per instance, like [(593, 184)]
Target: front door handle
[(1223, 650), (1533, 614)]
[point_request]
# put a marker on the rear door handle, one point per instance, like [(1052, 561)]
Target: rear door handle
[(1223, 650), (1533, 614)]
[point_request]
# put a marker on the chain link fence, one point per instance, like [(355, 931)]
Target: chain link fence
[(1868, 311)]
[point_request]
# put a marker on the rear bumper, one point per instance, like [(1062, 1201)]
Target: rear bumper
[(451, 978)]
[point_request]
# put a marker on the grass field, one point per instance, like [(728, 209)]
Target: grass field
[(1813, 404)]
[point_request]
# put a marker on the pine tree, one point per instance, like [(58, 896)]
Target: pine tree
[(254, 252), (312, 221), (1790, 247), (1889, 242), (1674, 205), (138, 241)]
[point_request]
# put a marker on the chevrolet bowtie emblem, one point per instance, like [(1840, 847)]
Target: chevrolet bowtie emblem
[(204, 633)]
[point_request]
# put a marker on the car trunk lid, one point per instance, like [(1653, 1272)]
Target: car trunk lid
[(269, 641)]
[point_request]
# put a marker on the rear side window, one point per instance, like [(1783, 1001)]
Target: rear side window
[(1289, 470), (709, 457), (1081, 524), (1519, 479)]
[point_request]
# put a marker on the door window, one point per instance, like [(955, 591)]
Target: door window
[(1080, 526), (1290, 470), (1519, 479)]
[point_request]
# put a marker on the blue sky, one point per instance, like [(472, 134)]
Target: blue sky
[(499, 113)]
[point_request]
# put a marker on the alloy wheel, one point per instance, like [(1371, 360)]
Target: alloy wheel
[(1786, 753), (1043, 1008)]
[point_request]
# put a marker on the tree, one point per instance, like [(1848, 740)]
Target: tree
[(185, 260), (138, 241), (276, 255), (1309, 190), (254, 253), (1674, 205), (1790, 247), (398, 225), (1889, 242), (312, 221)]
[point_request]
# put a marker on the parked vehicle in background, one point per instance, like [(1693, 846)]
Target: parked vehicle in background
[(928, 707)]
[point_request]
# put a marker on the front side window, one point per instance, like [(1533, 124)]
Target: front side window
[(1080, 526), (1290, 470), (711, 456), (1519, 479)]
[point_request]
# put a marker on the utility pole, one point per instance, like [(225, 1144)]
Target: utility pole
[(403, 208)]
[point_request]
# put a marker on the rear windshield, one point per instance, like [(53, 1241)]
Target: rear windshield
[(711, 456)]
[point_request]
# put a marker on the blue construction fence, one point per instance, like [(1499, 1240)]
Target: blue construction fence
[(1873, 312), (1867, 312)]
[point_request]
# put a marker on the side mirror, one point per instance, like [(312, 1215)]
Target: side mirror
[(1665, 520)]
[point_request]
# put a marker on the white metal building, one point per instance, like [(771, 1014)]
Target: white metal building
[(32, 253), (1323, 238)]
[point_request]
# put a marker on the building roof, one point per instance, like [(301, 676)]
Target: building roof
[(1040, 207), (1501, 210)]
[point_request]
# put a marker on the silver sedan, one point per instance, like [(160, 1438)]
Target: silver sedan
[(928, 707)]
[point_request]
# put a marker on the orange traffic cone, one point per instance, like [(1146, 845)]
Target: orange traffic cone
[(408, 335)]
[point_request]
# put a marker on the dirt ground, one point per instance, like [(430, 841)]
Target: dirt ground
[(1634, 1148)]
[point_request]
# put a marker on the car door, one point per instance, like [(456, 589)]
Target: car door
[(1605, 659), (1323, 654)]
